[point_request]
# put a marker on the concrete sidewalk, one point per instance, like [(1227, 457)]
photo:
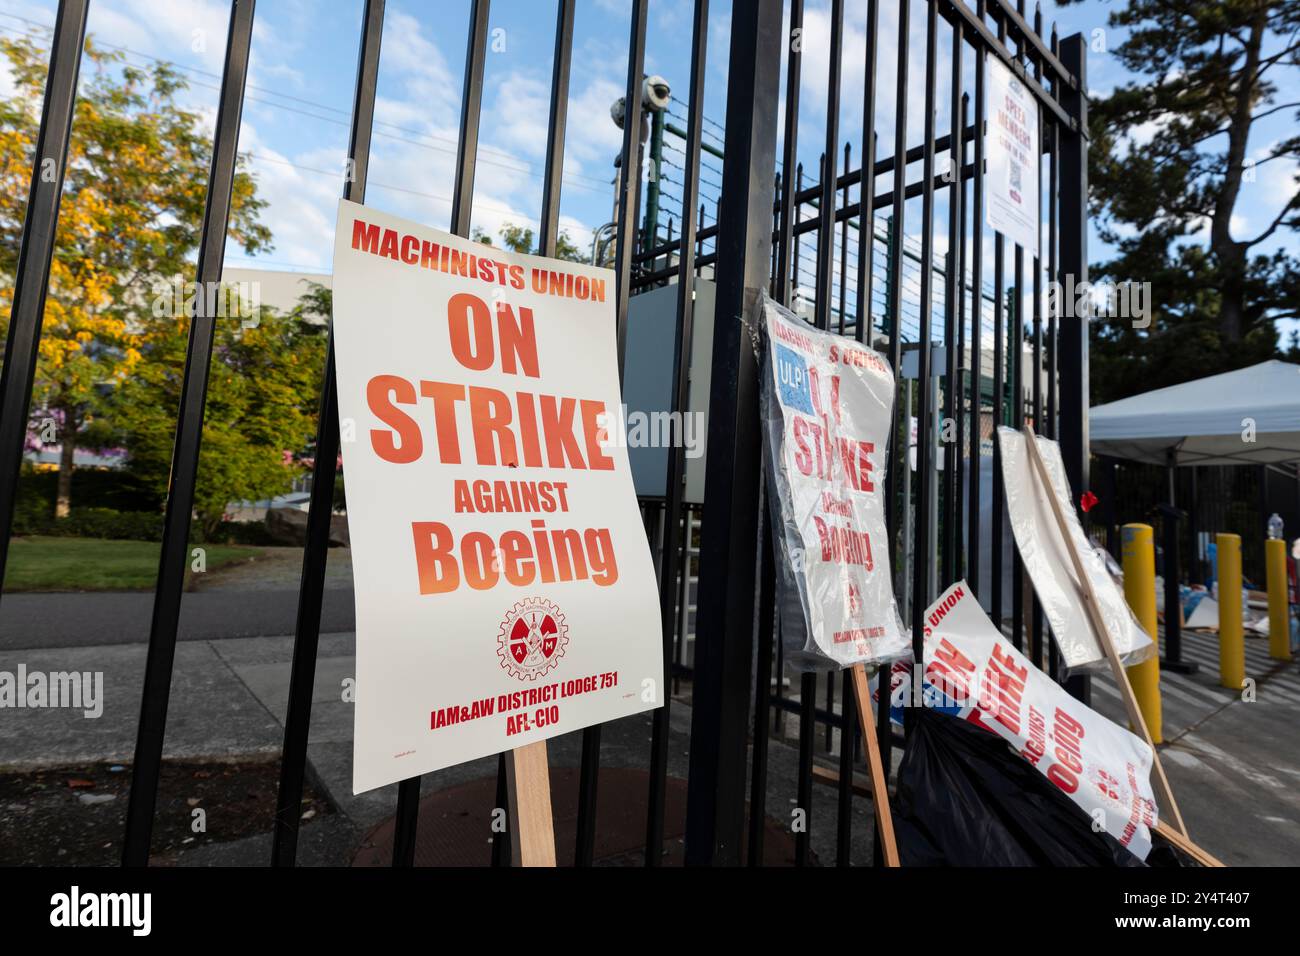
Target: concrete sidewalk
[(228, 701), (1233, 762), (1234, 766)]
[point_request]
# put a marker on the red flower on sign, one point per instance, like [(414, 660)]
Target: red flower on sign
[(1086, 501)]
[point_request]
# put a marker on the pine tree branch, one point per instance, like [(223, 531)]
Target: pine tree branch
[(1292, 204)]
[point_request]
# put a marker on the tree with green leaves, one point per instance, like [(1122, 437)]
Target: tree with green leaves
[(521, 239), (1172, 156), (132, 212), (261, 408)]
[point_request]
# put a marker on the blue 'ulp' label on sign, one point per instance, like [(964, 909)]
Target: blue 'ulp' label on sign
[(792, 380)]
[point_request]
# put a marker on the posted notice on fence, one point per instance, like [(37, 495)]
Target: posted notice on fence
[(1011, 148), (979, 676), (504, 587)]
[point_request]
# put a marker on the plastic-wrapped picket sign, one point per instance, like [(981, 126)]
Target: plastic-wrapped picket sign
[(827, 408)]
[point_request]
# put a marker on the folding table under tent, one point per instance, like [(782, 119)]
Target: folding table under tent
[(1247, 417)]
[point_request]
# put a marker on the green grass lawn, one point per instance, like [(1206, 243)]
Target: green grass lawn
[(40, 563)]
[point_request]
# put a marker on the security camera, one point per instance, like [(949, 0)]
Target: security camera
[(655, 93), (655, 97)]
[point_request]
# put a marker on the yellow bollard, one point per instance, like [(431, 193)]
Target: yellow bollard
[(1279, 617), (1140, 590), (1232, 647)]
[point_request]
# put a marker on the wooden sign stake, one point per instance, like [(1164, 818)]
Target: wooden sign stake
[(879, 788), (528, 783), (1093, 607)]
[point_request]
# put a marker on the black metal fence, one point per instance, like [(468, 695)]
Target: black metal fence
[(1037, 364), (1213, 498)]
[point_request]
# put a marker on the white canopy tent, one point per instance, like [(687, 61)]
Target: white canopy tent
[(1209, 421)]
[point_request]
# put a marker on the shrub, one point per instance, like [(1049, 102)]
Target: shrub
[(107, 523), (29, 518)]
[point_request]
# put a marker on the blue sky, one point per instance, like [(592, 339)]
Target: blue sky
[(302, 74)]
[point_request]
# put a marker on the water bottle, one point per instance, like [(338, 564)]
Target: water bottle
[(1275, 526)]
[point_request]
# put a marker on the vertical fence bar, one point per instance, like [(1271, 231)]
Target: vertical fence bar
[(1018, 403), (1036, 636), (803, 783), (699, 253), (789, 243), (1074, 262), (1052, 427), (470, 114), (848, 744), (999, 414), (830, 709), (897, 455), (963, 377), (36, 251), (924, 419), (311, 589), (822, 319), (683, 593), (762, 684), (724, 646), (1073, 329), (549, 229), (1017, 345), (559, 112), (867, 187), (898, 444), (893, 294), (778, 716), (844, 245), (174, 558), (625, 249), (408, 791), (897, 458), (952, 313), (977, 320), (1053, 205), (502, 850), (561, 62), (630, 178), (826, 208), (798, 215), (674, 482), (787, 280), (998, 489), (884, 682), (776, 238)]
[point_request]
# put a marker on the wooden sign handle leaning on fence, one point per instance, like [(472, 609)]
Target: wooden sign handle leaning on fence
[(1187, 846), (1103, 633), (879, 785), (528, 783)]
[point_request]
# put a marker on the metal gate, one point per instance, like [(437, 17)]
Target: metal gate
[(890, 290)]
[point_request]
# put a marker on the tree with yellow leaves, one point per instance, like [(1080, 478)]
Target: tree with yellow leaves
[(131, 216)]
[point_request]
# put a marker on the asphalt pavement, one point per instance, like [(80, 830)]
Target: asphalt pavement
[(122, 617), (1233, 760), (244, 600)]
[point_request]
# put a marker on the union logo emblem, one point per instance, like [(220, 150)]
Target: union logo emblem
[(532, 638)]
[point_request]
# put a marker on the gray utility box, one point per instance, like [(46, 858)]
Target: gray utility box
[(648, 385)]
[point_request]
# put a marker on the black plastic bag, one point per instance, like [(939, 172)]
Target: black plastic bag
[(966, 799)]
